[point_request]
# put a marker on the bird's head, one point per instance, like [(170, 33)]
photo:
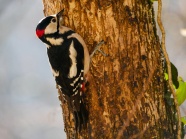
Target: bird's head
[(49, 25)]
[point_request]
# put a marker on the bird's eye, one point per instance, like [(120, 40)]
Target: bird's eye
[(53, 20)]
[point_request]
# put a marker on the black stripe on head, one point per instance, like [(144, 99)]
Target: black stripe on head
[(44, 23)]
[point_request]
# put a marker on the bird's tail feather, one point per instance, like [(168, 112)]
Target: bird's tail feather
[(80, 117)]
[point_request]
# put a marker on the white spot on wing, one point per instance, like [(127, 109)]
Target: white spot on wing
[(55, 72), (72, 84), (54, 41), (75, 93), (73, 54), (76, 88), (60, 87)]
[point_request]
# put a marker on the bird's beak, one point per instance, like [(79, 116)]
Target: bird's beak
[(59, 15)]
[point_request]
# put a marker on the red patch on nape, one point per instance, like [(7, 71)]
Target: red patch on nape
[(40, 33)]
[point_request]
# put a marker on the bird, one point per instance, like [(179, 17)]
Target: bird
[(70, 62)]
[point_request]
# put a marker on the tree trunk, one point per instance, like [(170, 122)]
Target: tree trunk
[(126, 94)]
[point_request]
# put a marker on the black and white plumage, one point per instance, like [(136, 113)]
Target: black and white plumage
[(69, 59)]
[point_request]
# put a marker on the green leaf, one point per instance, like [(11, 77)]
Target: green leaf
[(153, 0), (174, 73), (181, 91), (166, 76), (183, 119)]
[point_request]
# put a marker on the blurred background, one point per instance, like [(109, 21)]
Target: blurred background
[(29, 107)]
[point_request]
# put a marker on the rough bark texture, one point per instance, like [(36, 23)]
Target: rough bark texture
[(125, 97)]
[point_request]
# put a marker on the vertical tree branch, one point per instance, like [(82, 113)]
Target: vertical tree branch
[(168, 67), (142, 93), (125, 96)]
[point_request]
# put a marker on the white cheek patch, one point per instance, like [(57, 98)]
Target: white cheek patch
[(51, 28), (73, 54), (54, 41)]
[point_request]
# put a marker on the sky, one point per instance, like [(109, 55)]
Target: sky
[(29, 107), (28, 98)]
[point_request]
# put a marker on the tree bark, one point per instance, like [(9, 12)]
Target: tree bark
[(126, 93)]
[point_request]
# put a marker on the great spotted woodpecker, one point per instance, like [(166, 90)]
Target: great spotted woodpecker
[(69, 59)]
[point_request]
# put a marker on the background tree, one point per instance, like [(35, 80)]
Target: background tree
[(126, 95)]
